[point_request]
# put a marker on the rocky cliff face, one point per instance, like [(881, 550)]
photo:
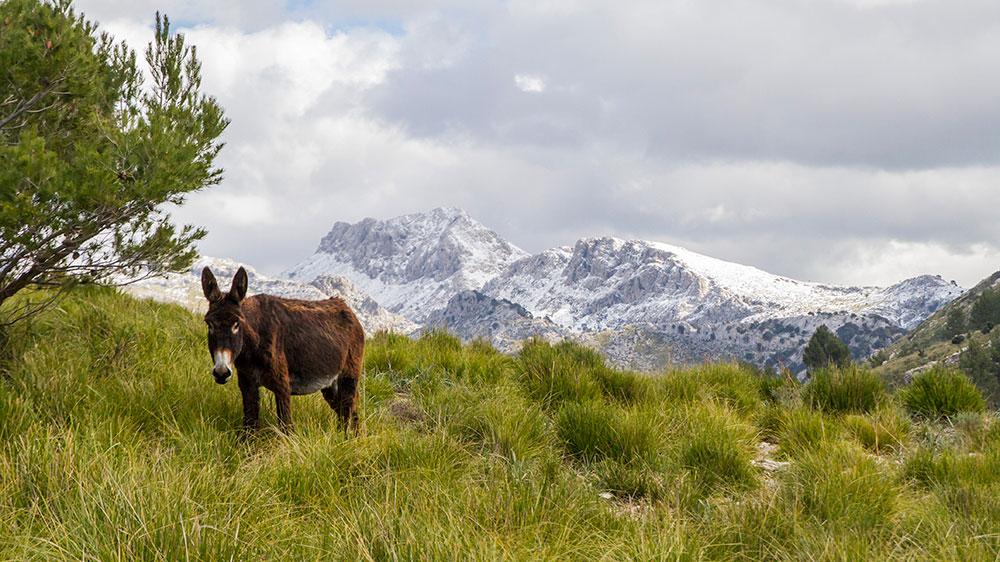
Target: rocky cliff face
[(474, 315)]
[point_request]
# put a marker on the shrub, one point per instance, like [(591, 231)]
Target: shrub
[(942, 392), (985, 311), (851, 389)]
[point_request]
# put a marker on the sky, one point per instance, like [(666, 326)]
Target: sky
[(839, 141)]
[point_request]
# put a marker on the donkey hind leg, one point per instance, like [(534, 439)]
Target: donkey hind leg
[(342, 398)]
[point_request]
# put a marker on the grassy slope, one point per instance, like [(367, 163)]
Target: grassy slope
[(923, 344), (116, 445)]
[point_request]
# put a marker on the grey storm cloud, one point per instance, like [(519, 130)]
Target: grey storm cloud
[(852, 141)]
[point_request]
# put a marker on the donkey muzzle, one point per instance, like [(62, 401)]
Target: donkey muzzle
[(223, 376), (223, 369)]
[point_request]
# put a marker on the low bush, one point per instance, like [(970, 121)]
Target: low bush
[(942, 392), (851, 389)]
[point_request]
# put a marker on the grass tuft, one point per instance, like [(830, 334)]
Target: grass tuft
[(942, 392), (852, 389)]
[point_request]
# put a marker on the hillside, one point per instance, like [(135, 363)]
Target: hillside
[(926, 343), (116, 445)]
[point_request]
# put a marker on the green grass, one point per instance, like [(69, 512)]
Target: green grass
[(115, 444), (942, 392), (851, 389)]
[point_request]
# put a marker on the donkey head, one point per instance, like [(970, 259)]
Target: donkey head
[(225, 321)]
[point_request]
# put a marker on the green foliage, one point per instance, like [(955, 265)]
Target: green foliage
[(802, 430), (825, 350), (942, 392), (956, 323), (90, 155), (115, 444), (556, 373), (985, 311), (851, 389), (982, 365), (736, 385)]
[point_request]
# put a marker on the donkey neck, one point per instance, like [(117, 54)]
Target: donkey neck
[(251, 328)]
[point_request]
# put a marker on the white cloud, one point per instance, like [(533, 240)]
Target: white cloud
[(843, 141), (529, 83)]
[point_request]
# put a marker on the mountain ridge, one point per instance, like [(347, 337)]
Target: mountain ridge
[(416, 264)]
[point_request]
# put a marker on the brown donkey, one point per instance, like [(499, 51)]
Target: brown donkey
[(288, 346)]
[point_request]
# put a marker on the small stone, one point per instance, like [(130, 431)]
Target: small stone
[(769, 465)]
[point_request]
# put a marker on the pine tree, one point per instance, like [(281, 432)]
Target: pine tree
[(985, 311), (825, 349), (90, 155), (956, 323), (982, 366)]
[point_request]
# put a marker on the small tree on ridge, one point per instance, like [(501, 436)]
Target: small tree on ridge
[(825, 349)]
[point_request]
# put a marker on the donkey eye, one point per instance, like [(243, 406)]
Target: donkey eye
[(236, 327)]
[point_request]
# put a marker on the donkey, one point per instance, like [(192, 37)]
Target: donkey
[(288, 346)]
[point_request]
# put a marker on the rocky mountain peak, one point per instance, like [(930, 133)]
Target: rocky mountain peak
[(415, 262)]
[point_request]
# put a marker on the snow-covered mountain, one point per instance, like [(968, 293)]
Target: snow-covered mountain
[(604, 283), (443, 268), (704, 307), (413, 264), (185, 289)]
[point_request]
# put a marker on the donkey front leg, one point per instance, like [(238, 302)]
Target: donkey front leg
[(251, 404), (283, 403)]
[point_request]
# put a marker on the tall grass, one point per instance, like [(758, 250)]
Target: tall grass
[(942, 392), (115, 444), (852, 389)]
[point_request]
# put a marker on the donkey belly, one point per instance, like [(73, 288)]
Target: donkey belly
[(312, 384)]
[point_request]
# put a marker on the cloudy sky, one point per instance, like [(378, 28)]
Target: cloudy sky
[(846, 141)]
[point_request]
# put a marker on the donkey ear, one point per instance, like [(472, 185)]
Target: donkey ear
[(209, 285), (240, 282)]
